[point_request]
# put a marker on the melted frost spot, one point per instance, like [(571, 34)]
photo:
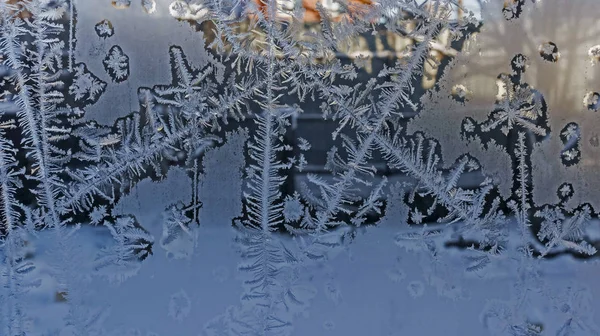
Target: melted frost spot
[(549, 51), (415, 289), (329, 325), (512, 9), (518, 63), (133, 332), (333, 292), (396, 275), (594, 53), (184, 11), (180, 306), (460, 93), (149, 6), (220, 274), (592, 101), (68, 331), (594, 141), (121, 4), (116, 64), (104, 29), (570, 155), (179, 9), (565, 191)]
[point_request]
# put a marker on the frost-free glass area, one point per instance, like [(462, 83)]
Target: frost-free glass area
[(287, 167)]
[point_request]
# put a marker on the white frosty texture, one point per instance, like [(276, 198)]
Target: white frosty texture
[(146, 38), (497, 42)]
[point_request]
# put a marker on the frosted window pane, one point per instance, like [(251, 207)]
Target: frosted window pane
[(287, 167)]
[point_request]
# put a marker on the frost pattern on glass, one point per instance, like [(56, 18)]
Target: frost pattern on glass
[(166, 167), (104, 29)]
